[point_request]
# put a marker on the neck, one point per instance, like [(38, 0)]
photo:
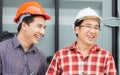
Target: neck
[(23, 41), (83, 47)]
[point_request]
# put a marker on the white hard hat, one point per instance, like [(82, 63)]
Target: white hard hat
[(87, 12)]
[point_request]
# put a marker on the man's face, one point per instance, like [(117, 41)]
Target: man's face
[(88, 31), (35, 30)]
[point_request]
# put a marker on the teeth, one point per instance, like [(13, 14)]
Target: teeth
[(91, 36), (37, 36)]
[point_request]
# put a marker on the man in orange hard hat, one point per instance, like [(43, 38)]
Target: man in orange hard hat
[(18, 55)]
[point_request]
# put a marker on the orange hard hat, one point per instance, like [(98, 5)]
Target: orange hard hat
[(33, 8)]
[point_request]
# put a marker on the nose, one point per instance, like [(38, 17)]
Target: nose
[(42, 31), (92, 30)]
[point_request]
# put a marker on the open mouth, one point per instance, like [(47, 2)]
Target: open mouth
[(37, 37), (91, 37)]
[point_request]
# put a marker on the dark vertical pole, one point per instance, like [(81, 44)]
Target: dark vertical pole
[(1, 7), (115, 50), (56, 25), (114, 8)]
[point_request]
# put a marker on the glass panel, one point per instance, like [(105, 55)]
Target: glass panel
[(68, 12), (10, 7)]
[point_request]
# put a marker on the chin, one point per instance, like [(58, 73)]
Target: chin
[(36, 42), (90, 43)]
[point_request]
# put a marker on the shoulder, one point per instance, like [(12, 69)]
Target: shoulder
[(103, 51), (106, 53), (99, 50), (3, 44), (62, 52)]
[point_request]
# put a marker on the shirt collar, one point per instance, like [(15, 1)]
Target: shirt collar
[(16, 44), (93, 49), (15, 41)]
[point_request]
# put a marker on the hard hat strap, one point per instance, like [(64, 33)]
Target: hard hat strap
[(21, 17)]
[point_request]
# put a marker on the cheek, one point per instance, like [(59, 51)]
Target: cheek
[(30, 32), (97, 34), (33, 29)]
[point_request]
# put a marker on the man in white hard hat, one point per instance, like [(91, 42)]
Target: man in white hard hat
[(83, 57)]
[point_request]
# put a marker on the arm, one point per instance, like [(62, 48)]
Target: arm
[(110, 68), (53, 68), (1, 49), (0, 66)]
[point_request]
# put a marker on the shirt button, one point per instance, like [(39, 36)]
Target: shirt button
[(31, 73), (83, 73), (25, 63)]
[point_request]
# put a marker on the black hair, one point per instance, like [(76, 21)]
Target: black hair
[(78, 22), (27, 20)]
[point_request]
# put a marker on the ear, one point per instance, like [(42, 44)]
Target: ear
[(24, 26), (76, 29)]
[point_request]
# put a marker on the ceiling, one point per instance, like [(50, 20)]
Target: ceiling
[(16, 3), (66, 4), (73, 4)]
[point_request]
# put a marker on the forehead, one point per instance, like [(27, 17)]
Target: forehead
[(39, 20), (92, 17), (91, 21)]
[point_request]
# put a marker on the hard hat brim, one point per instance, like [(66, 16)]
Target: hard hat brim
[(47, 17), (98, 19), (44, 15)]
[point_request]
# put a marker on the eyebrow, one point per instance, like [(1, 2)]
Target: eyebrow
[(41, 25), (91, 24)]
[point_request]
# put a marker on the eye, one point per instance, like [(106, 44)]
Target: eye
[(88, 26), (44, 27), (96, 27), (40, 25)]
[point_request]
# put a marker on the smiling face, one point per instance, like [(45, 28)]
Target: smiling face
[(35, 30), (88, 31)]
